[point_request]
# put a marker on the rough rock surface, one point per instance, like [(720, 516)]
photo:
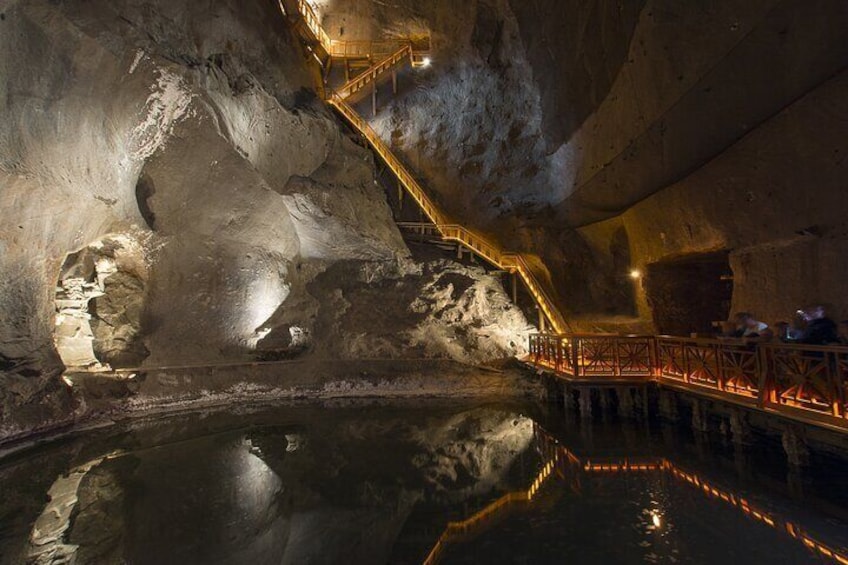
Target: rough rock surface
[(688, 127), (191, 130)]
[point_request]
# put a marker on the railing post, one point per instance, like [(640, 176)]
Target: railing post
[(654, 357), (834, 384), (575, 356), (720, 376), (558, 349), (763, 380), (839, 378), (616, 356)]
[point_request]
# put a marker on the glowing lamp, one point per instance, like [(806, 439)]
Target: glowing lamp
[(635, 274)]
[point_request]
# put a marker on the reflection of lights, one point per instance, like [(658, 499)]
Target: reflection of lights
[(255, 482), (661, 464), (656, 520), (68, 380), (483, 517)]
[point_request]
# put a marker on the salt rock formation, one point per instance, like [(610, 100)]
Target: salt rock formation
[(186, 141), (685, 128)]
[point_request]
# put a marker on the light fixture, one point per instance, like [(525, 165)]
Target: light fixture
[(655, 518), (426, 62), (635, 274)]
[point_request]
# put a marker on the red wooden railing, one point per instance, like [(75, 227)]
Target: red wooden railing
[(729, 367), (802, 382), (596, 356)]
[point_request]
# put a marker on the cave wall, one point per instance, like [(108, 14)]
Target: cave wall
[(735, 65), (776, 201), (682, 127), (95, 91), (192, 129)]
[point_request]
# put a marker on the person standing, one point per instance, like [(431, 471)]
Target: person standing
[(820, 329)]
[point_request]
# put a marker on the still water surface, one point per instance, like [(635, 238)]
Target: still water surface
[(407, 483)]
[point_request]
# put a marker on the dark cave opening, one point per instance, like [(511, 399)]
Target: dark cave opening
[(688, 294)]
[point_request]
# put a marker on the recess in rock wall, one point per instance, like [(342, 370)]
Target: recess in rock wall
[(144, 191), (688, 294), (99, 303)]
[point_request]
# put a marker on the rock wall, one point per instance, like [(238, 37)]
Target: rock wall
[(776, 200), (681, 127), (191, 129)]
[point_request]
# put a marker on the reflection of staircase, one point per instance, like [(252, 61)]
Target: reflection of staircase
[(318, 43), (484, 518)]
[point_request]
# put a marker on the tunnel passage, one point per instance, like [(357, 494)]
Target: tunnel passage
[(99, 303), (144, 191), (688, 294)]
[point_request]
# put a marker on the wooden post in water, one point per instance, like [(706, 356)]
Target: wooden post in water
[(374, 98), (394, 81), (514, 288)]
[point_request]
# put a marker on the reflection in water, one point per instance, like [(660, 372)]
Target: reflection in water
[(569, 468), (46, 542), (498, 509), (392, 484), (327, 489)]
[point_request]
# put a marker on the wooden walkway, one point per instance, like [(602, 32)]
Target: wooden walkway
[(804, 383), (318, 43)]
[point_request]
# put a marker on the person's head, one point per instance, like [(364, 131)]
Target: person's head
[(810, 313), (842, 330), (781, 328), (743, 319)]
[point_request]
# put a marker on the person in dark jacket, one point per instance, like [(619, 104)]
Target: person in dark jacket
[(820, 329), (842, 332)]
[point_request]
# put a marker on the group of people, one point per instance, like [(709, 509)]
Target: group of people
[(812, 326)]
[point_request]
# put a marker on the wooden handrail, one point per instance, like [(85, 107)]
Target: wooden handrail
[(359, 82), (807, 383), (482, 246), (303, 9), (372, 49)]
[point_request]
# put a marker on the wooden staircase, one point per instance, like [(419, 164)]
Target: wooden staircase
[(524, 266), (373, 73)]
